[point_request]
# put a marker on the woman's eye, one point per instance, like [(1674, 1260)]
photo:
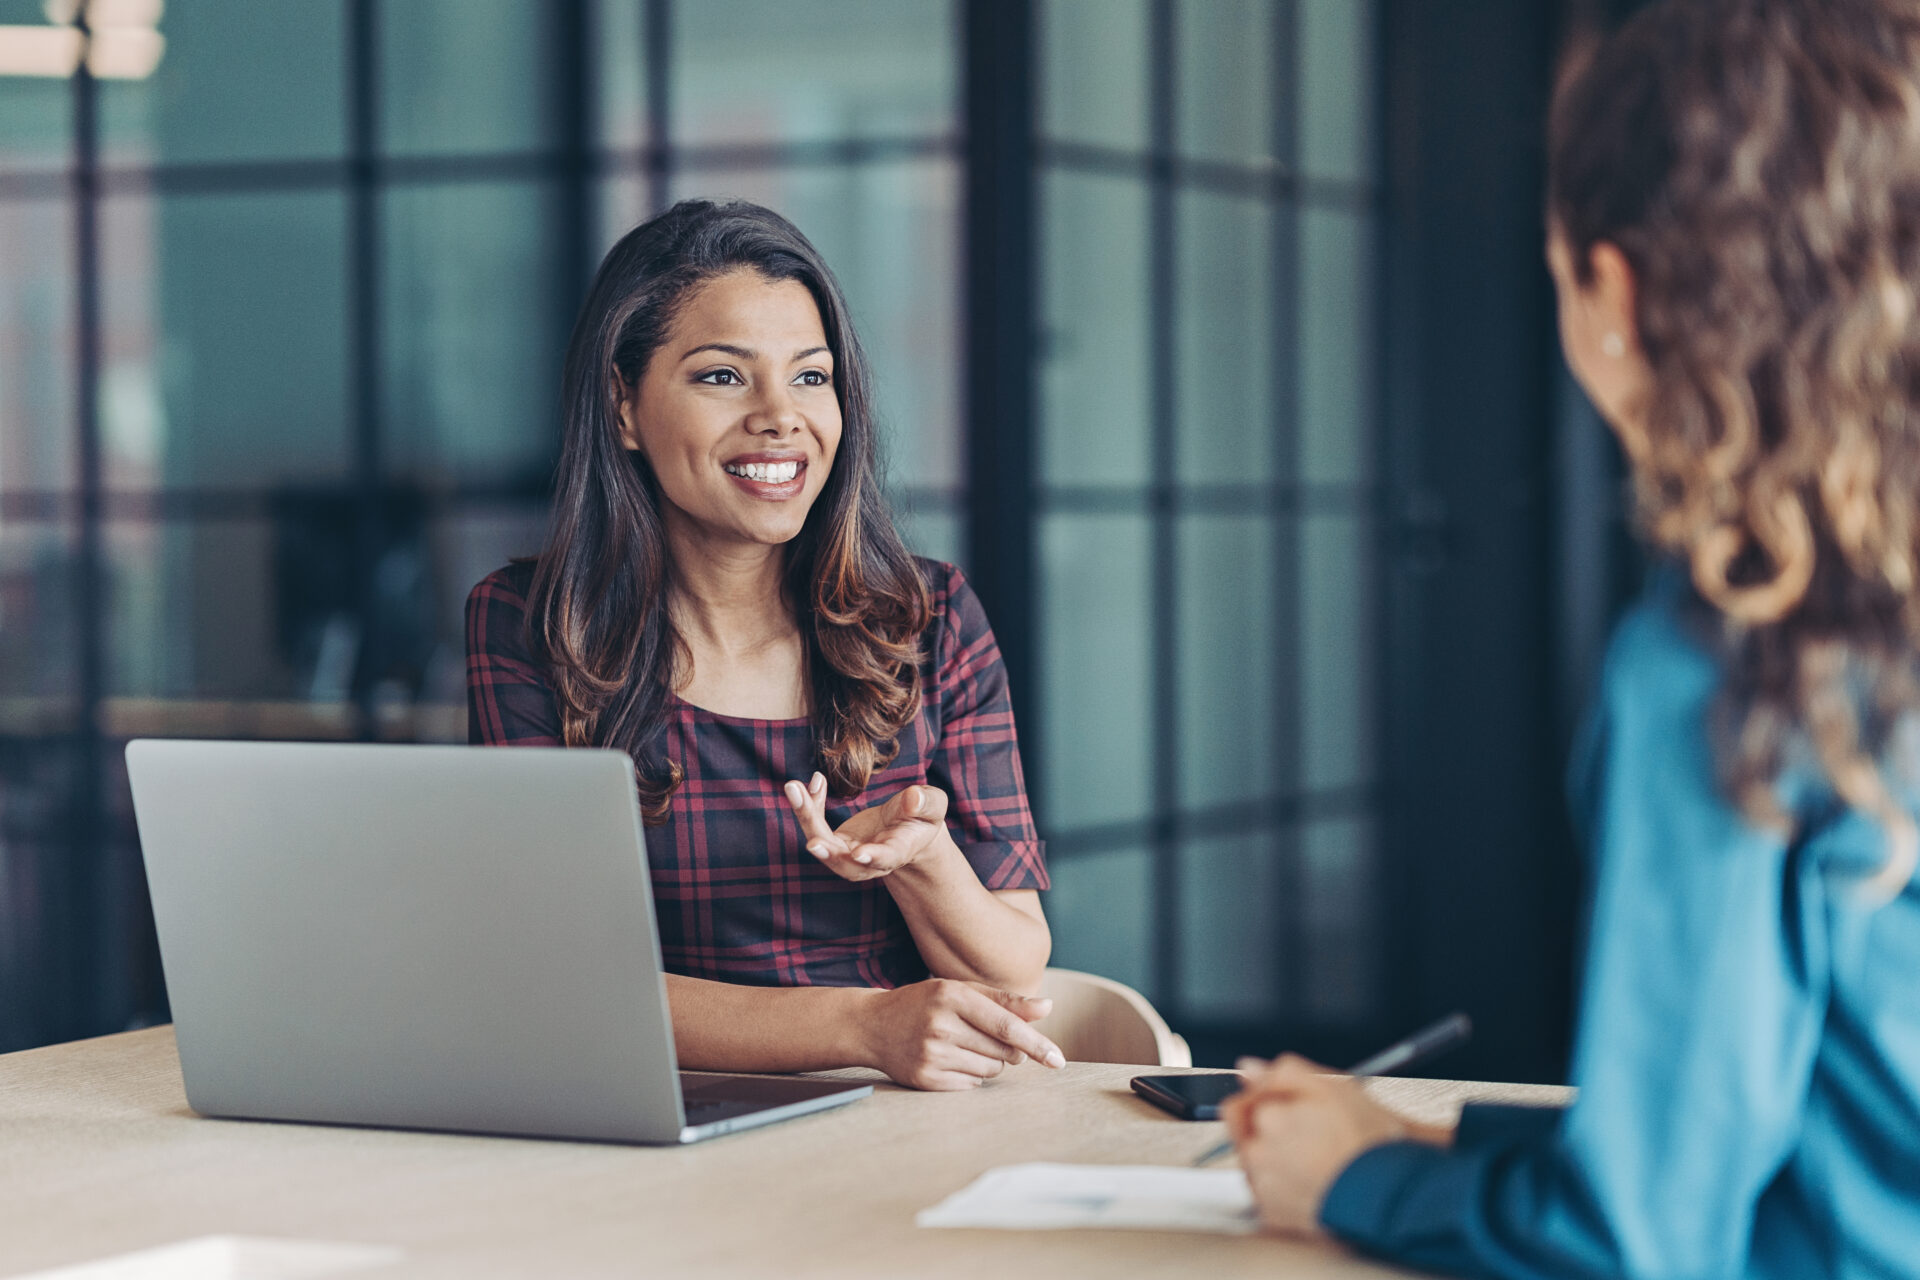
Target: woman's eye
[(719, 378), (812, 378)]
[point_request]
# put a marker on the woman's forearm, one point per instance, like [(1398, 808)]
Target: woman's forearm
[(720, 1026), (965, 930)]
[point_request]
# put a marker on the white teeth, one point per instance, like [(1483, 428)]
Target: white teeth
[(765, 472)]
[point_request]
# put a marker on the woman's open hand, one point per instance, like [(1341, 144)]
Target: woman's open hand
[(1297, 1128), (876, 841), (945, 1034)]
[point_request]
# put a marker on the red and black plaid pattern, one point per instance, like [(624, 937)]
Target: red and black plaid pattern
[(738, 897)]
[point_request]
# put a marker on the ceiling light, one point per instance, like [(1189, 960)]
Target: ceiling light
[(40, 51)]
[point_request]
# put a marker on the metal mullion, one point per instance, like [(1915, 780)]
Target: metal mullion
[(1240, 817), (577, 117), (1276, 499), (1276, 181), (363, 291), (657, 57), (260, 176), (998, 86), (824, 153), (1162, 244), (1288, 614), (163, 505), (79, 993), (1378, 615), (49, 184), (1361, 502)]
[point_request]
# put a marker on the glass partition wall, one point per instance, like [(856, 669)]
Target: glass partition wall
[(1208, 518), (282, 305)]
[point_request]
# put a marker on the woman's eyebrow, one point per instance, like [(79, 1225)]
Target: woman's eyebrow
[(747, 353), (738, 353)]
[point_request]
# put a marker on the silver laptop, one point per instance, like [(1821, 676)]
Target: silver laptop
[(423, 937)]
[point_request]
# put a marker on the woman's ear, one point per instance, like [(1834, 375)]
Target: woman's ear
[(1600, 331), (626, 407), (1613, 296)]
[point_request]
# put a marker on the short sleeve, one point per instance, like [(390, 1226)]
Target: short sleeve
[(509, 703), (977, 759)]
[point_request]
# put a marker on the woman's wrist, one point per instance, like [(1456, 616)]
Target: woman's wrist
[(936, 863), (1435, 1135), (852, 1036)]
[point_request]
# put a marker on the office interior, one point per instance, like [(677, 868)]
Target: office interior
[(1212, 340)]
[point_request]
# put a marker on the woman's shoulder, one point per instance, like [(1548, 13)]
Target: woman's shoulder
[(1650, 712), (508, 586), (1664, 652), (958, 616), (943, 580), (497, 609)]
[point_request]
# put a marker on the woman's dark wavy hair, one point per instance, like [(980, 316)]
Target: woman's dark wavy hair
[(1758, 164), (597, 612)]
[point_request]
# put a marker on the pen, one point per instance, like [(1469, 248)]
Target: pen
[(1450, 1032)]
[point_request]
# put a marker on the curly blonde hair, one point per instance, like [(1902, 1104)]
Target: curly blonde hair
[(1758, 164)]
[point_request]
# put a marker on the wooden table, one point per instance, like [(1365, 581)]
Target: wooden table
[(99, 1155)]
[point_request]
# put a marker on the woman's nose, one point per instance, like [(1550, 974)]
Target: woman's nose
[(777, 414)]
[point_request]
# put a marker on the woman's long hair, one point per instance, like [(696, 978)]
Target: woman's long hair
[(597, 612), (1758, 163)]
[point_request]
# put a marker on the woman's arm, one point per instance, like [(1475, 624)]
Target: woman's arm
[(970, 898), (928, 1035), (963, 929), (1701, 1014)]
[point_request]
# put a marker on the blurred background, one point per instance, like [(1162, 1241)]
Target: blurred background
[(1212, 339)]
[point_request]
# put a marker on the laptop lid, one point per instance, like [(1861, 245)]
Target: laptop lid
[(415, 936)]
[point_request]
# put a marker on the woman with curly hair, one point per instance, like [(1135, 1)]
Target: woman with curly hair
[(1734, 207), (844, 865)]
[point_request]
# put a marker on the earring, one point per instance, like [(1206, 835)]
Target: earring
[(1614, 345)]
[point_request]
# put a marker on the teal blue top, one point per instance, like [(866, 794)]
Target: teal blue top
[(1748, 1049)]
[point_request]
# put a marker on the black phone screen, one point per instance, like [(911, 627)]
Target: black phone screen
[(1196, 1097)]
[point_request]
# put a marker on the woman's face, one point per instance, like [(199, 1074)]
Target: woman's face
[(736, 411)]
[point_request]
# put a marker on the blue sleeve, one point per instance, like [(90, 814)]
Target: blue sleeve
[(1704, 994), (1483, 1123)]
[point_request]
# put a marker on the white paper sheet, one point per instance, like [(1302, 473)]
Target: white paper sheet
[(230, 1258), (1040, 1197)]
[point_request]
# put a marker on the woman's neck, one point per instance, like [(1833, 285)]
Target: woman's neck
[(730, 597)]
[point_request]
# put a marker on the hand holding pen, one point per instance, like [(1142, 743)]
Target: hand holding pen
[(1448, 1033), (1298, 1128)]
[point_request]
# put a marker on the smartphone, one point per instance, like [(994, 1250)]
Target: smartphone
[(1196, 1097)]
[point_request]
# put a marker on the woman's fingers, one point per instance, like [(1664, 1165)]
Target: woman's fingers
[(1004, 1016), (977, 1042), (913, 817), (809, 803), (873, 842), (963, 1071), (1287, 1074), (919, 803), (1237, 1113), (891, 849)]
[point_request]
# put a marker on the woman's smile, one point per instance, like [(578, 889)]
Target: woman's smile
[(771, 476)]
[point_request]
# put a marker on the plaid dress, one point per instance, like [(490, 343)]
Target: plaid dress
[(739, 898)]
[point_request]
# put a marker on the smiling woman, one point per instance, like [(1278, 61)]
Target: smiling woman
[(844, 864)]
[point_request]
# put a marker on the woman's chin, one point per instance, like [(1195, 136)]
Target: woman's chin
[(755, 533)]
